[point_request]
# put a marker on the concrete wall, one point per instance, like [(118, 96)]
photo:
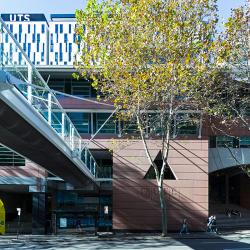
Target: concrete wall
[(136, 200)]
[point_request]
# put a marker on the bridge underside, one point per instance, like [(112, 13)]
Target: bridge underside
[(17, 134)]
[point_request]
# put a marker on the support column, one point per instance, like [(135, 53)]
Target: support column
[(227, 188), (38, 213)]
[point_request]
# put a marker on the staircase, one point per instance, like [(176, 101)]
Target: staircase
[(224, 222)]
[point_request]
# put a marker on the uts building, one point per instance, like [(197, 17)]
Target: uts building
[(204, 178)]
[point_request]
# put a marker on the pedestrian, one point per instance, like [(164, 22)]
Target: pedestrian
[(78, 225), (184, 227), (209, 223), (214, 226)]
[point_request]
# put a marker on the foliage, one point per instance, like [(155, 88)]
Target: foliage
[(229, 96), (153, 59)]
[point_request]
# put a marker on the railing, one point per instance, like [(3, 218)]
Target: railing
[(41, 97)]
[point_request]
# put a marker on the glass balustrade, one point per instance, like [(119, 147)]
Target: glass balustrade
[(37, 93)]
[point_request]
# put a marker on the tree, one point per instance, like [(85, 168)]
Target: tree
[(152, 58), (229, 98)]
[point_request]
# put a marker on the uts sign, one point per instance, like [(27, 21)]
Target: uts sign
[(23, 17)]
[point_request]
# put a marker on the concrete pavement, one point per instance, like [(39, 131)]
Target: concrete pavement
[(238, 240)]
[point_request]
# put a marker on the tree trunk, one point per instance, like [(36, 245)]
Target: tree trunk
[(163, 210)]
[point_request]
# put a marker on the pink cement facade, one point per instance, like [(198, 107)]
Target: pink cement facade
[(136, 200)]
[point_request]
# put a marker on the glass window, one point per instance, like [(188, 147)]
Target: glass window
[(224, 141), (11, 28), (56, 57), (69, 28), (61, 56), (9, 158), (80, 88), (28, 28), (19, 58), (20, 28), (56, 28), (245, 142), (65, 38), (109, 127), (81, 121), (186, 124), (61, 28), (43, 28), (38, 38), (57, 84)]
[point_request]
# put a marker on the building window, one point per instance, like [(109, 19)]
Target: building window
[(37, 47), (81, 121), (56, 28), (65, 38), (61, 56), (33, 38), (56, 57), (245, 142), (42, 56), (70, 52), (29, 49), (28, 28), (43, 28), (34, 58), (57, 84), (224, 141), (11, 28), (38, 38), (61, 28), (109, 127), (80, 88), (186, 124), (168, 174), (20, 28), (69, 28), (9, 158)]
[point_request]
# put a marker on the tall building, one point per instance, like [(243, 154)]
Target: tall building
[(199, 157), (32, 33)]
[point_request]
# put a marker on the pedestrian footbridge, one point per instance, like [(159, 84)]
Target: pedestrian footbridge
[(33, 123)]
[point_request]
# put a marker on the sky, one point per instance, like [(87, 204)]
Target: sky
[(69, 6)]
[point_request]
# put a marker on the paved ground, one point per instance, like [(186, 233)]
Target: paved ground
[(197, 241)]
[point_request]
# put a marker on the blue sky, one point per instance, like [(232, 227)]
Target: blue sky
[(69, 6)]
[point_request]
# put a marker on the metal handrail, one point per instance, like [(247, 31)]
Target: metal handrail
[(32, 69)]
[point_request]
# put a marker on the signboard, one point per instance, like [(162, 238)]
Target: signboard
[(2, 218), (10, 17), (18, 211), (106, 209), (63, 222)]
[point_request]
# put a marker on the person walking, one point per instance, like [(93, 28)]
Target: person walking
[(209, 223), (184, 227), (214, 225)]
